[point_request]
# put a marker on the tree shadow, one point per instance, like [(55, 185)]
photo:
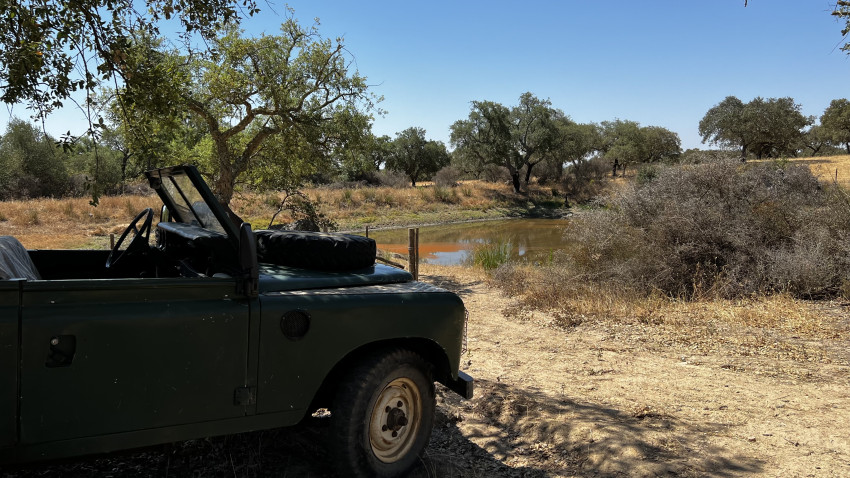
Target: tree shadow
[(504, 431), (460, 287), (540, 434)]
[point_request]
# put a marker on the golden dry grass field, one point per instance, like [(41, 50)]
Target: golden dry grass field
[(829, 168), (72, 223)]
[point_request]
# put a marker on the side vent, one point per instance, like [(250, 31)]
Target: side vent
[(295, 324)]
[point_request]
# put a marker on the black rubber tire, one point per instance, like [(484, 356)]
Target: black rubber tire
[(315, 250), (358, 405)]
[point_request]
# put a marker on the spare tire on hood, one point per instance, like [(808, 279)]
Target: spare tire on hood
[(315, 250)]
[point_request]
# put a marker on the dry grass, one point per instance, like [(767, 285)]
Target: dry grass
[(73, 223), (829, 168), (767, 326), (381, 207), (70, 223)]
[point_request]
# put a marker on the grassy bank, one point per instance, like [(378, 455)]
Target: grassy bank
[(72, 223), (384, 207)]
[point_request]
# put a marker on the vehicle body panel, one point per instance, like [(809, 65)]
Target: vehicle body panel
[(342, 320), (148, 353), (275, 278), (10, 294)]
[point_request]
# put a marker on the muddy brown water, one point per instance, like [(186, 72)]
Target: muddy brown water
[(452, 244)]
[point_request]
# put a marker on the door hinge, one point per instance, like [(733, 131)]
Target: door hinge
[(244, 396)]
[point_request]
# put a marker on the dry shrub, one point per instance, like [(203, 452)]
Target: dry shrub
[(719, 229), (447, 177), (393, 179), (584, 180)]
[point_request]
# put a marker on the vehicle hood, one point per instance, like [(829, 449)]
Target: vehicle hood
[(274, 278)]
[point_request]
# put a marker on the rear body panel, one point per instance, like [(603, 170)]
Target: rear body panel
[(9, 300), (139, 353)]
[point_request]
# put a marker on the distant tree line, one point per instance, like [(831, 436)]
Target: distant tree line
[(776, 127), (287, 109)]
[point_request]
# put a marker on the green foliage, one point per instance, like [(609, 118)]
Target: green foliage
[(646, 173), (835, 123), (97, 166), (277, 100), (491, 255), (484, 138), (304, 211), (513, 138), (446, 195), (628, 143), (361, 160), (842, 12), (415, 156), (771, 127), (50, 49), (31, 165), (817, 140), (583, 180)]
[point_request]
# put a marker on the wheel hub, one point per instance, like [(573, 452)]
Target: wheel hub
[(395, 418), (395, 421)]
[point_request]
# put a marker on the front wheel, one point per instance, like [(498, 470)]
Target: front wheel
[(383, 414)]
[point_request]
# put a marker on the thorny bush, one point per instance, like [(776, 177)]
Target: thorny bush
[(720, 229)]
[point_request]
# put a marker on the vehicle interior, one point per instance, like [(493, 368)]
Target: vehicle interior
[(181, 250), (191, 240)]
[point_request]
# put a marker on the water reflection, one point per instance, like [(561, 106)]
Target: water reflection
[(531, 239)]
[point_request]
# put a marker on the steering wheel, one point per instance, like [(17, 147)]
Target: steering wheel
[(139, 241)]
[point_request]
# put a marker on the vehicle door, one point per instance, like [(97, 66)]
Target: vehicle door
[(116, 355), (9, 307)]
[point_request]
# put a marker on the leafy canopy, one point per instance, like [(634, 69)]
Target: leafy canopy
[(293, 92), (415, 156), (766, 127), (514, 138), (50, 49)]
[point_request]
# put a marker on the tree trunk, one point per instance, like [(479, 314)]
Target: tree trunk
[(225, 181), (528, 173), (515, 180)]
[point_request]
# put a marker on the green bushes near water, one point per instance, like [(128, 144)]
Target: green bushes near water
[(491, 255)]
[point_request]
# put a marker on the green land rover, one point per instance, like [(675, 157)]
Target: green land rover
[(218, 329)]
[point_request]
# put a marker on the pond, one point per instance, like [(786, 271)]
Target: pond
[(451, 244)]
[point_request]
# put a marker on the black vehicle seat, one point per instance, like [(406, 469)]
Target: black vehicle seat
[(15, 262)]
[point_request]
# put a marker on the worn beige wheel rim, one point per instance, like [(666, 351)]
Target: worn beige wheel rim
[(396, 420)]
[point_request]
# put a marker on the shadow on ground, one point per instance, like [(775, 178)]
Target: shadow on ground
[(460, 287), (504, 432), (538, 434)]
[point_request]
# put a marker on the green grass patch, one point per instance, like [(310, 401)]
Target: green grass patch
[(492, 255)]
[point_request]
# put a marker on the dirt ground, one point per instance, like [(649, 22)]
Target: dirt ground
[(587, 401), (590, 401)]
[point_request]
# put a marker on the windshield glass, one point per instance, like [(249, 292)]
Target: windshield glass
[(191, 207)]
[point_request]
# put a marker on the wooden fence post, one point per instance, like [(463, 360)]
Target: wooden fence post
[(416, 252), (411, 251)]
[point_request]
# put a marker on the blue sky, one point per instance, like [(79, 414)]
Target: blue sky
[(657, 62)]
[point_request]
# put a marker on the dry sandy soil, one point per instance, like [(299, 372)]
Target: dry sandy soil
[(584, 401)]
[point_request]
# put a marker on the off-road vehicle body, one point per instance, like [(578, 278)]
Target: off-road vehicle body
[(201, 335)]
